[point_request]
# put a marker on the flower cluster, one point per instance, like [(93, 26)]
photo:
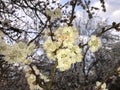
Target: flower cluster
[(1, 34), (31, 78), (63, 48), (18, 53), (3, 47), (68, 56), (94, 43), (54, 14), (118, 71), (100, 86)]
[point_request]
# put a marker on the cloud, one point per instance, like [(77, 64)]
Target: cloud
[(113, 10), (112, 7), (79, 14), (116, 16), (98, 4)]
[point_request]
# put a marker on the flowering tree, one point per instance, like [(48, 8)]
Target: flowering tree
[(42, 33)]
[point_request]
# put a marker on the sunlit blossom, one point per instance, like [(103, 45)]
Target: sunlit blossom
[(1, 34), (54, 14), (50, 45), (94, 43), (100, 86), (63, 49), (3, 47), (18, 53)]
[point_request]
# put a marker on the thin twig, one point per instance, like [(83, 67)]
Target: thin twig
[(53, 75), (72, 14)]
